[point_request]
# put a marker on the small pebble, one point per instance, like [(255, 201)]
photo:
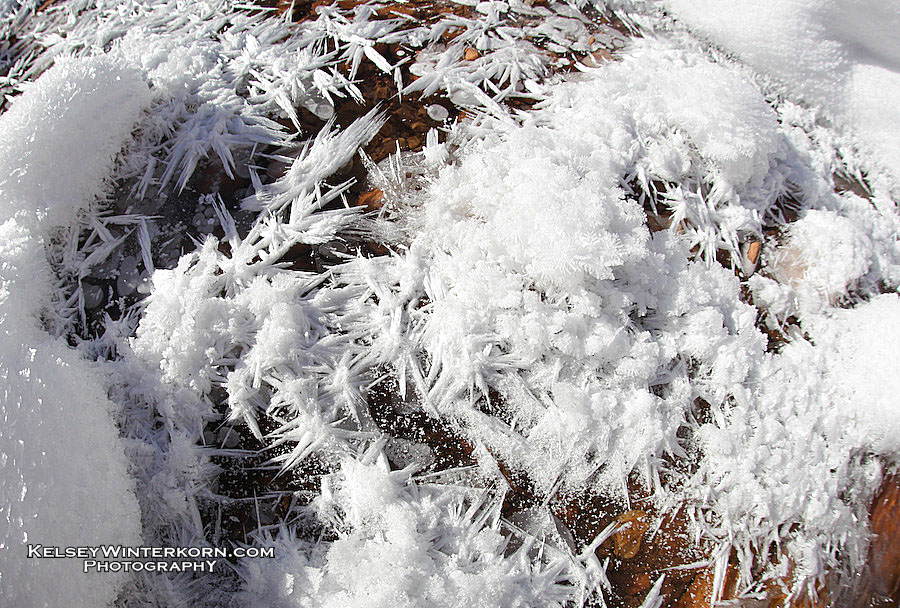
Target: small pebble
[(124, 287), (324, 111), (108, 267), (333, 251), (753, 251), (144, 286), (437, 112), (128, 266), (462, 98), (242, 168), (275, 170), (597, 58), (128, 278), (266, 516), (229, 438), (172, 253), (471, 54), (749, 260)]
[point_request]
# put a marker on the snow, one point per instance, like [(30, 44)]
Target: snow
[(49, 127), (861, 343), (841, 55), (824, 257), (544, 283), (818, 410), (445, 547), (65, 480)]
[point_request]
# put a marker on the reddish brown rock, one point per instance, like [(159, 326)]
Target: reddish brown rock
[(627, 541), (372, 200)]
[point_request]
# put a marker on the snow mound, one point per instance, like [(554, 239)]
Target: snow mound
[(48, 131), (799, 448), (841, 55), (65, 480), (862, 345), (825, 256)]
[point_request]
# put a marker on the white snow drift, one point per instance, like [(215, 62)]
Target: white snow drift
[(65, 480), (840, 55)]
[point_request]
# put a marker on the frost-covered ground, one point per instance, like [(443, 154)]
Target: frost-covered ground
[(615, 324)]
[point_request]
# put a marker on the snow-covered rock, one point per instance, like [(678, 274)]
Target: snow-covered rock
[(65, 479)]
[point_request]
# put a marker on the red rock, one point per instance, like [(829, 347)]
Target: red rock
[(373, 199)]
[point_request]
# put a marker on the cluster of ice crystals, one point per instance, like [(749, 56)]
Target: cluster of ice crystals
[(533, 308), (541, 280), (405, 544)]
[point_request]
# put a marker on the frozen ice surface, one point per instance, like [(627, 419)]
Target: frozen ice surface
[(64, 477)]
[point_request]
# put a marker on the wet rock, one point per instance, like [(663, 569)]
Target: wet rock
[(128, 278), (94, 296), (750, 250), (324, 111), (372, 200), (627, 541), (228, 438), (597, 58)]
